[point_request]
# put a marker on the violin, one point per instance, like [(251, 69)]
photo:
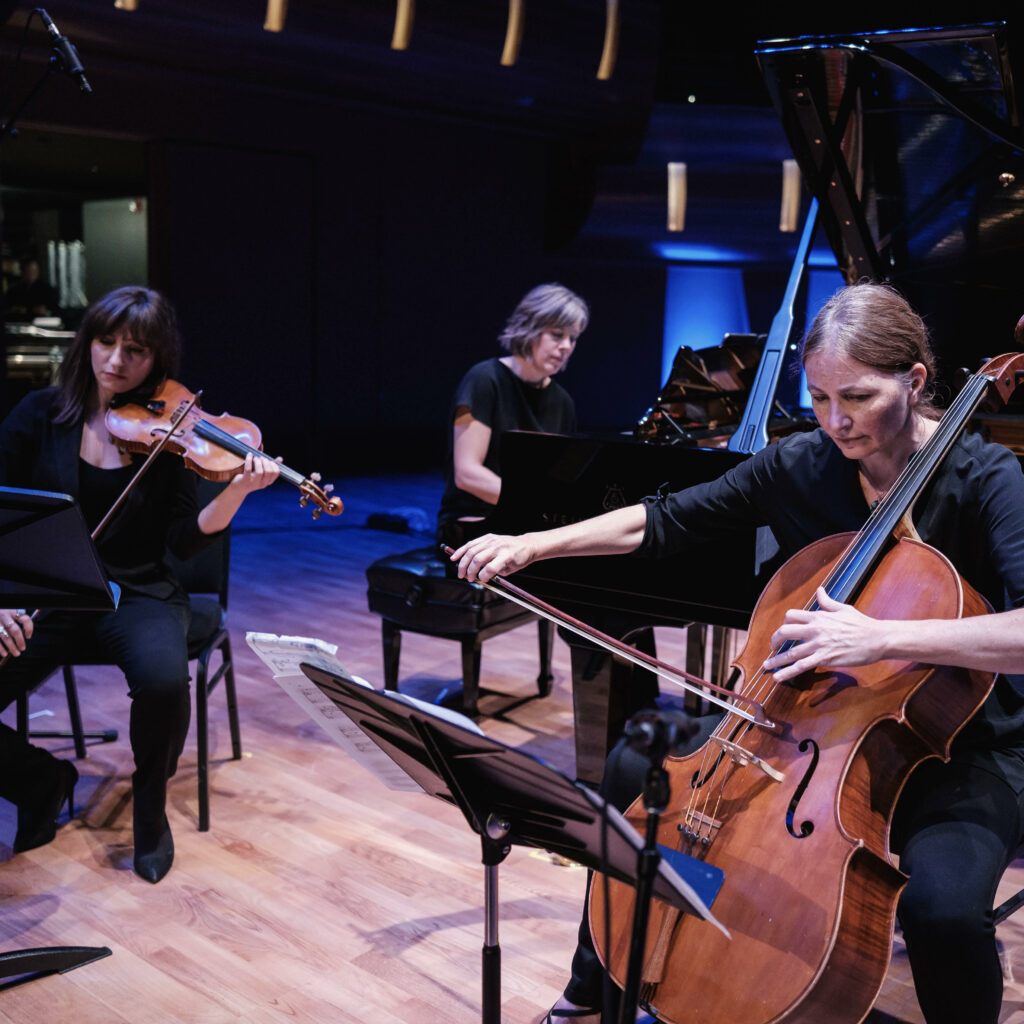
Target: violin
[(215, 447)]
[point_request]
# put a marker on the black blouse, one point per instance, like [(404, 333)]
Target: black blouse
[(497, 398), (161, 512), (804, 489)]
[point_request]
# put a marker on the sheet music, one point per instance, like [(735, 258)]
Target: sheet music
[(283, 655)]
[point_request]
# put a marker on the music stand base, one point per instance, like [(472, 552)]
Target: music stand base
[(29, 964), (494, 849)]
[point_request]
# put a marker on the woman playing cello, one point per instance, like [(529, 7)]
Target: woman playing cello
[(956, 824), (56, 440)]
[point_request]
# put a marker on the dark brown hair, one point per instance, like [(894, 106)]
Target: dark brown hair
[(147, 316), (875, 325)]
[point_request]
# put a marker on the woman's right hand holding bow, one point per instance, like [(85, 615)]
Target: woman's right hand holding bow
[(15, 629)]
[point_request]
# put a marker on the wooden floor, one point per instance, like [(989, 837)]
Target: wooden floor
[(318, 895)]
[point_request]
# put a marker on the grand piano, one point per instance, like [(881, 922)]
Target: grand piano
[(909, 143)]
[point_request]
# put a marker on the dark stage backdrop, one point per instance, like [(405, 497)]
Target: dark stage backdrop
[(344, 227)]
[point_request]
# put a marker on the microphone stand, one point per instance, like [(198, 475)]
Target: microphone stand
[(655, 798), (60, 58), (7, 128)]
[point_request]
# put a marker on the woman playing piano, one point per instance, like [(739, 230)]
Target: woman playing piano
[(957, 824), (511, 392), (56, 440)]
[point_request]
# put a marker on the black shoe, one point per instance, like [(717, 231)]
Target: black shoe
[(37, 824), (153, 858)]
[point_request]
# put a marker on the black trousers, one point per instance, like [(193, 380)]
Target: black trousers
[(146, 638), (956, 827)]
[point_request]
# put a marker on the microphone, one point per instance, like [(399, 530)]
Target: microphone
[(67, 56), (660, 733)]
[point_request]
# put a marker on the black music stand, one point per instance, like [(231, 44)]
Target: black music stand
[(509, 797), (48, 560)]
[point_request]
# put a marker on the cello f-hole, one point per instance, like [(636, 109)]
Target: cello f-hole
[(806, 827)]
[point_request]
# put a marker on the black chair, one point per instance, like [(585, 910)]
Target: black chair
[(205, 578), (411, 591)]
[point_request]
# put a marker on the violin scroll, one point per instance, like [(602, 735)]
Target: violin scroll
[(311, 491)]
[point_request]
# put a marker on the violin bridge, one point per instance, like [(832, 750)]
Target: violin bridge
[(744, 757)]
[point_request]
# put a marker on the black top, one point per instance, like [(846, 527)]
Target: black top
[(496, 397), (804, 489), (161, 512)]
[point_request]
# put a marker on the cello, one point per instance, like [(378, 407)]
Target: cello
[(795, 808)]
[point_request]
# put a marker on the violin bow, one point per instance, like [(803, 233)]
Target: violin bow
[(154, 452)]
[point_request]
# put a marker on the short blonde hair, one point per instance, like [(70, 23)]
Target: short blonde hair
[(543, 307)]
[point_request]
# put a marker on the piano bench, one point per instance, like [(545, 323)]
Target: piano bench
[(412, 591)]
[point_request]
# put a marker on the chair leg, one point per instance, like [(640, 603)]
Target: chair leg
[(203, 689), (232, 699), (202, 742), (22, 715), (391, 641), (546, 642), (74, 711), (470, 674), (77, 733)]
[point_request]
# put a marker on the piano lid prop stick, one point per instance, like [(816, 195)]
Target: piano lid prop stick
[(719, 695)]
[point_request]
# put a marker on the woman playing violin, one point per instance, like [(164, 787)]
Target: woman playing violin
[(55, 440), (956, 824)]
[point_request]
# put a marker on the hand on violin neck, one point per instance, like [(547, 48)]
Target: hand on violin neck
[(257, 472)]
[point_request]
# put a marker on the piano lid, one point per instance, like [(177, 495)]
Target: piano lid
[(911, 142)]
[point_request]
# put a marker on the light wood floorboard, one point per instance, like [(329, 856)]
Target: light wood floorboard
[(318, 894)]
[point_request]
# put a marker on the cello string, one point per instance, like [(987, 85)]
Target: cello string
[(865, 547)]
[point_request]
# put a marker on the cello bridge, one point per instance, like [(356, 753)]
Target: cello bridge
[(744, 757)]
